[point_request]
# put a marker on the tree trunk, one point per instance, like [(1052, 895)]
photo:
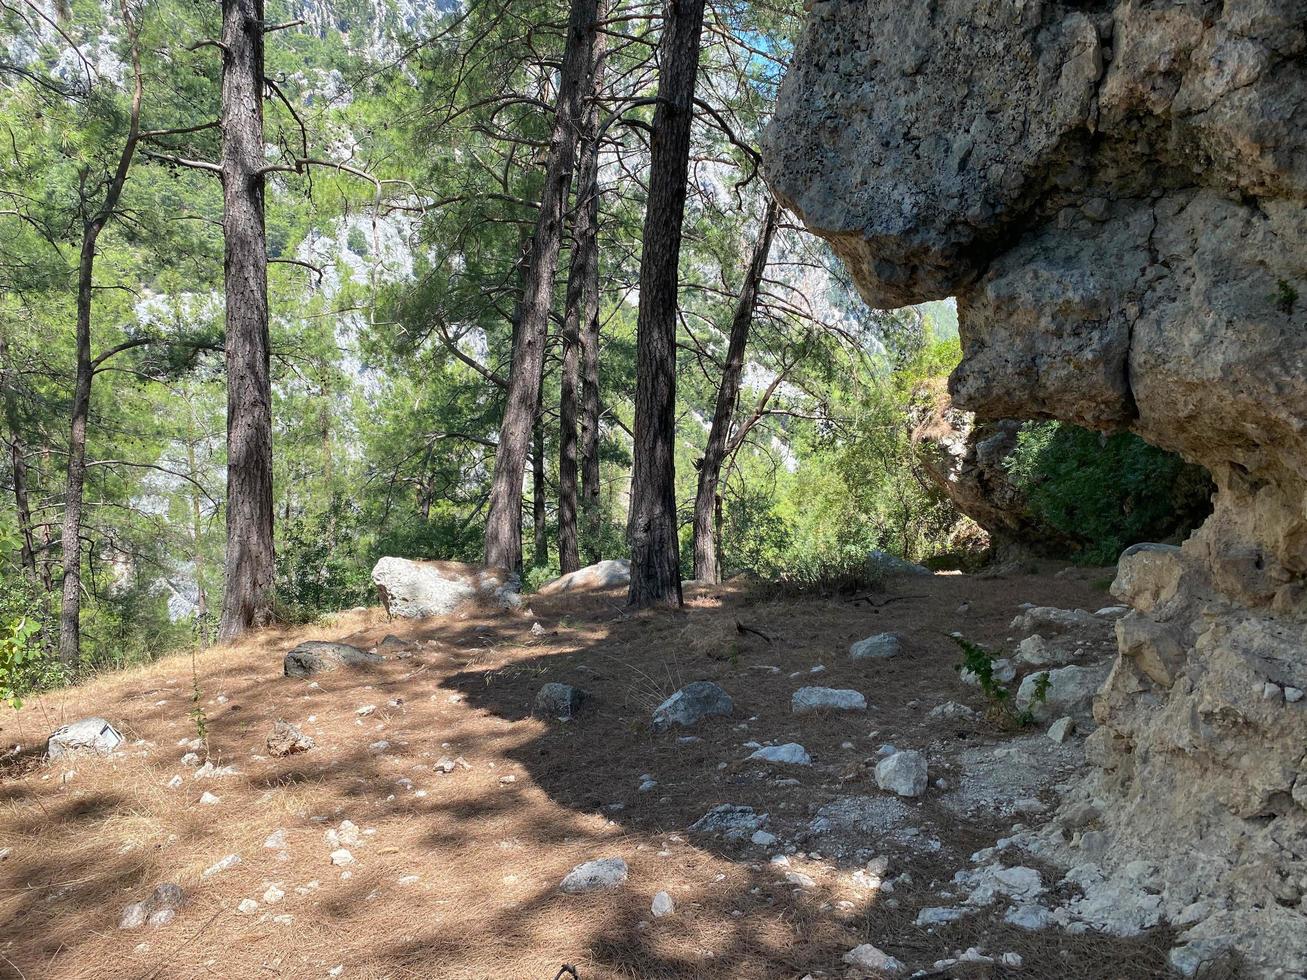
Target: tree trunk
[(706, 502), (70, 647), (581, 316), (651, 528), (250, 568), (18, 462), (503, 525), (540, 525)]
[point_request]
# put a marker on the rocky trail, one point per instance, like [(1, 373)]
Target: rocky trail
[(495, 793)]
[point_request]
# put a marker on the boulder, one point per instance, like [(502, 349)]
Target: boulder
[(1070, 691), (322, 656), (904, 773), (562, 701), (286, 739), (806, 700), (607, 574), (691, 705), (790, 754), (416, 589), (600, 875), (887, 564), (882, 646), (89, 734)]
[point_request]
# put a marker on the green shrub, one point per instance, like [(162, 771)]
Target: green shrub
[(1002, 699), (1107, 492), (322, 565)]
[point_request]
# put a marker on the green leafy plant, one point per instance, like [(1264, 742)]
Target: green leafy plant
[(1002, 710), (18, 656)]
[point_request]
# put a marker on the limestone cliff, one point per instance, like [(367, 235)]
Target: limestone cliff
[(1116, 192)]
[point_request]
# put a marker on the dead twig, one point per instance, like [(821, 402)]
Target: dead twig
[(742, 629)]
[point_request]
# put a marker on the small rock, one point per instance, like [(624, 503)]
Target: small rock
[(89, 734), (341, 857), (276, 840), (662, 905), (952, 711), (602, 874), (904, 773), (161, 917), (317, 656), (791, 754), (1271, 692), (763, 839), (247, 906), (1062, 729), (939, 916), (882, 646), (176, 782), (730, 819), (1004, 671), (1293, 694), (226, 864), (806, 700), (562, 701), (134, 915), (208, 799), (868, 957), (286, 739), (691, 705)]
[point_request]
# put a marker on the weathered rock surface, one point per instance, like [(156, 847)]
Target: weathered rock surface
[(418, 589), (887, 564), (903, 773), (89, 734), (691, 705), (602, 874), (882, 646), (287, 739), (601, 575), (555, 700), (789, 754), (809, 699), (1115, 194), (321, 656)]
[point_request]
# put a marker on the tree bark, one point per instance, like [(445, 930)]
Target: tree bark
[(503, 525), (707, 527), (539, 523), (70, 648), (18, 462), (250, 565), (651, 527), (581, 319)]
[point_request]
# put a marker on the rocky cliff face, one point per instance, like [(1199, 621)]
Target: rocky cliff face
[(1116, 192)]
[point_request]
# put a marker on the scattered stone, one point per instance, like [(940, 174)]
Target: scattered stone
[(601, 575), (273, 895), (730, 819), (1029, 916), (561, 701), (161, 917), (602, 874), (276, 840), (176, 782), (208, 799), (952, 711), (1188, 959), (341, 857), (647, 783), (691, 705), (989, 882), (190, 759), (226, 864), (800, 879), (90, 734), (868, 957), (446, 764), (418, 589), (662, 905), (379, 746), (791, 754), (762, 838), (882, 646), (320, 656), (286, 739), (1293, 694), (210, 771), (247, 906), (904, 773), (134, 916), (1062, 729), (806, 700), (939, 916), (1049, 619), (392, 644)]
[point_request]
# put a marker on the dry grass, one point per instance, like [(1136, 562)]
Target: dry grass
[(457, 875)]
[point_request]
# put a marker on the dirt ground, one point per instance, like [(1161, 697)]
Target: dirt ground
[(457, 875)]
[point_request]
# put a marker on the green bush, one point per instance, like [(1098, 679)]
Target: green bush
[(322, 565), (1107, 492)]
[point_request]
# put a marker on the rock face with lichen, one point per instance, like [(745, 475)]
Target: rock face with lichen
[(1117, 195)]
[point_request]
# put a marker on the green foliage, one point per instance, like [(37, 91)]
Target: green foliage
[(322, 564), (18, 656), (1002, 710), (1107, 492)]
